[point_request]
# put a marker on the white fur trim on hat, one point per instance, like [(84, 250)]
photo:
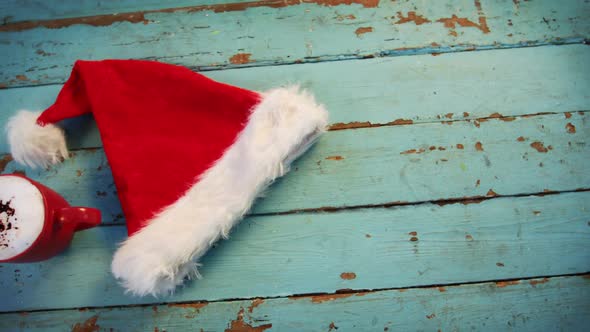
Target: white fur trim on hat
[(161, 255), (34, 145)]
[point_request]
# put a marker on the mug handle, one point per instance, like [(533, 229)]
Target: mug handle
[(82, 217)]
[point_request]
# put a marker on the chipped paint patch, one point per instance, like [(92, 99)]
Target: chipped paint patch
[(197, 305), (348, 275), (401, 122), (460, 146), (362, 30), (535, 282), (255, 303), (539, 147), (478, 146), (350, 125), (332, 326), (139, 17), (88, 325), (238, 325), (491, 193), (570, 128), (240, 58), (329, 297), (520, 139), (334, 158), (502, 284), (412, 151), (411, 17)]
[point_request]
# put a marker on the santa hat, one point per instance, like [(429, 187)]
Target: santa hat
[(188, 155)]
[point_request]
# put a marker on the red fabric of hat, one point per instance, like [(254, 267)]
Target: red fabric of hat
[(188, 155)]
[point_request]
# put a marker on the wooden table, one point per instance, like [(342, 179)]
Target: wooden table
[(451, 192)]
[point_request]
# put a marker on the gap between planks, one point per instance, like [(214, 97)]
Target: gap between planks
[(340, 293), (439, 50), (6, 158)]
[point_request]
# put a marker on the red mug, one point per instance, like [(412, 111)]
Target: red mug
[(36, 223)]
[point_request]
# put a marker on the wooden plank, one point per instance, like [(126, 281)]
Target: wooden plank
[(317, 30), (418, 88), (402, 164), (16, 11), (399, 247), (548, 304)]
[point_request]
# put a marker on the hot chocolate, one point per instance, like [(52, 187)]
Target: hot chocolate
[(22, 214)]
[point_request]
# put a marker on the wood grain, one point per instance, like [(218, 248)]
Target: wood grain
[(502, 238), (392, 164), (295, 32), (14, 10), (549, 304), (415, 89)]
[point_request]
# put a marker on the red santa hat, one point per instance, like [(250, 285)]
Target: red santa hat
[(188, 155)]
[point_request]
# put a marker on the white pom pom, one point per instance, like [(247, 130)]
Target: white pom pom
[(34, 145)]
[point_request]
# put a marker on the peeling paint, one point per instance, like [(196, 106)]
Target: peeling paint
[(333, 326), (348, 275), (460, 146), (240, 58), (367, 124), (334, 158), (362, 30), (491, 193), (539, 147), (139, 17), (478, 146), (567, 115), (238, 325), (255, 303), (88, 325), (412, 151), (431, 316), (412, 17), (468, 237), (350, 125), (502, 284), (196, 305), (570, 128), (520, 139), (501, 117), (401, 122), (535, 282)]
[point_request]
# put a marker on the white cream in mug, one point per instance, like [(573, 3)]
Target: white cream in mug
[(22, 213)]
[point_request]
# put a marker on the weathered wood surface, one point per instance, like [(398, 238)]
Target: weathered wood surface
[(501, 238), (213, 37), (414, 89), (452, 143), (14, 11), (390, 164), (547, 304)]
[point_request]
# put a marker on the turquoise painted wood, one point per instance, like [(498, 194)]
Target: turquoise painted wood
[(409, 164), (14, 11), (417, 88), (551, 304), (502, 238), (505, 120), (306, 32)]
